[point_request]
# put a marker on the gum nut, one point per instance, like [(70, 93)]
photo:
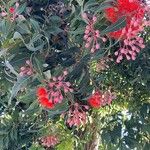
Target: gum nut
[(28, 62), (97, 46), (29, 73), (116, 53), (87, 45), (65, 73), (92, 50), (22, 68)]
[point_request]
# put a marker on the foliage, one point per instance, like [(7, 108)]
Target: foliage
[(39, 41)]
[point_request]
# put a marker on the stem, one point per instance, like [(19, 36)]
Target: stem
[(94, 143)]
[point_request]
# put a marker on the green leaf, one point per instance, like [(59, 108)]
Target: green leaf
[(55, 21), (54, 30), (94, 6), (99, 54), (89, 4), (121, 23), (59, 109), (23, 28), (103, 6), (38, 65), (68, 143), (13, 134), (77, 31), (77, 71), (33, 108), (36, 147), (36, 43), (28, 97), (35, 25), (21, 82), (21, 8)]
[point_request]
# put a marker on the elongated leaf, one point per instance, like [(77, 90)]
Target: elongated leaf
[(37, 38), (29, 97), (89, 4), (21, 8), (102, 7), (54, 30), (121, 23), (2, 52), (23, 28), (10, 67), (37, 63), (21, 82), (35, 25), (33, 108)]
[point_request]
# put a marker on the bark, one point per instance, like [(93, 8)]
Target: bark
[(94, 143)]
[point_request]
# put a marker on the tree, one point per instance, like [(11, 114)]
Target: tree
[(74, 75)]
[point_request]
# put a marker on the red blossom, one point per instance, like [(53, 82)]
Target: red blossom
[(41, 92), (11, 10), (95, 100), (53, 92), (45, 102), (128, 9), (99, 99), (134, 12), (43, 98)]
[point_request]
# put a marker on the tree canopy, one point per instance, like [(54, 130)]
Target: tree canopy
[(74, 75)]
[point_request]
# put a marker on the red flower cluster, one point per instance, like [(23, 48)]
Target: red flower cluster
[(129, 9), (12, 10), (134, 11), (99, 99), (43, 98), (52, 94), (95, 100)]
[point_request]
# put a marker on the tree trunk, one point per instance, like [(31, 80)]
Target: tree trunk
[(94, 143)]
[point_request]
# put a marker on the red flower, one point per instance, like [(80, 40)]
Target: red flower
[(45, 102), (129, 10), (43, 98), (11, 10), (95, 100), (41, 92)]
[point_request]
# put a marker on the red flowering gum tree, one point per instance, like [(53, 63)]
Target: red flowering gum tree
[(74, 74)]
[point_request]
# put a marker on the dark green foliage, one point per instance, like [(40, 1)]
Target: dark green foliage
[(53, 41)]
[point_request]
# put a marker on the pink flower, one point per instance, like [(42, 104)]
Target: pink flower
[(107, 98), (3, 13), (134, 12), (57, 87), (127, 9), (91, 36), (27, 69), (49, 141), (99, 99), (76, 116)]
